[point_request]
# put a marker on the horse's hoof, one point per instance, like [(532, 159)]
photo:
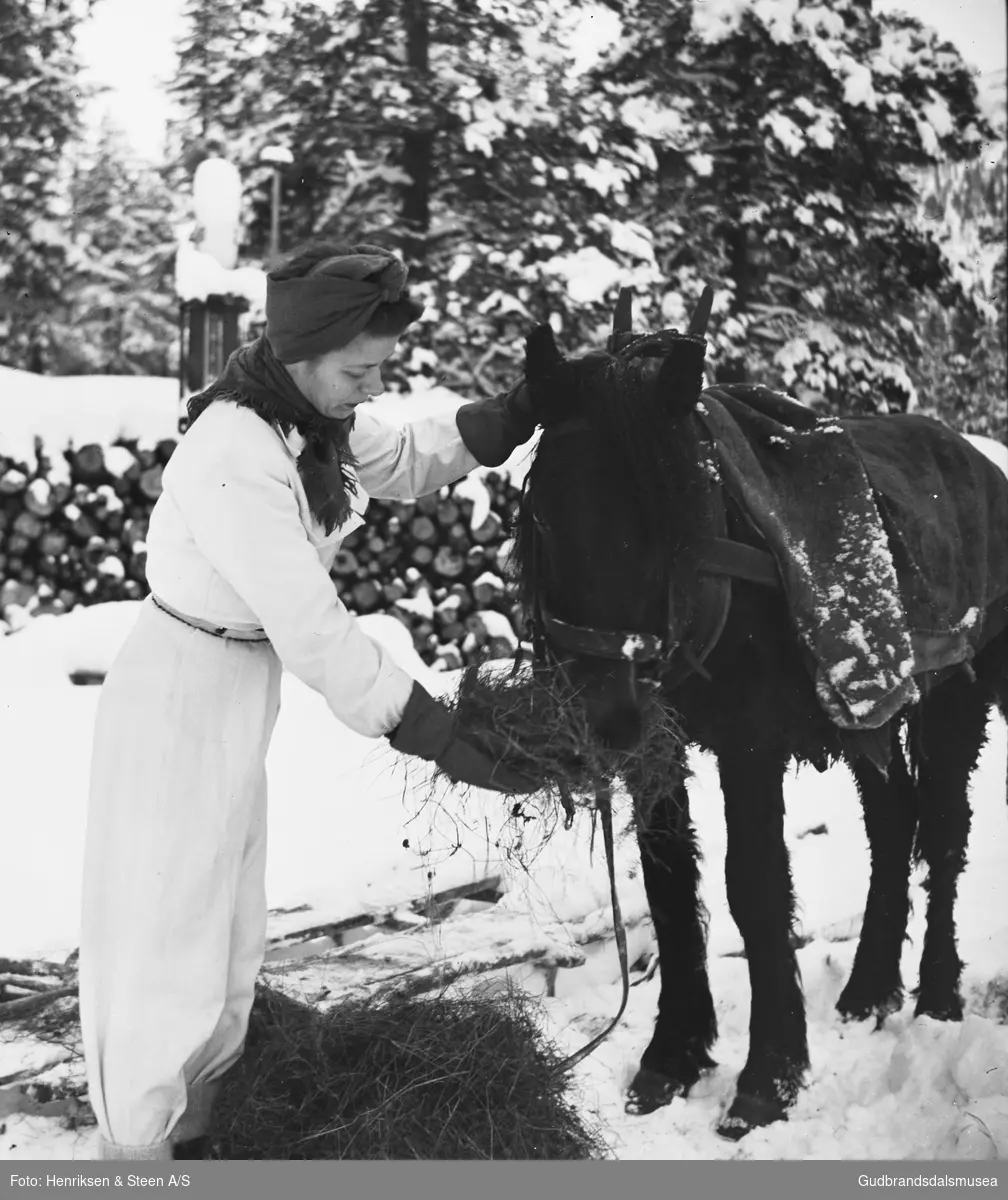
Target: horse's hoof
[(750, 1112), (650, 1090), (852, 1009), (950, 1010)]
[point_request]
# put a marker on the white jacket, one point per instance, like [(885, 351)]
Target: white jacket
[(232, 542)]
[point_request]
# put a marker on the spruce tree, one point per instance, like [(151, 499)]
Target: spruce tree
[(801, 193), (39, 103), (217, 84), (772, 150), (962, 367), (121, 308), (459, 136)]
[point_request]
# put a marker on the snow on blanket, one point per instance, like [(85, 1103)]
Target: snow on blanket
[(883, 532)]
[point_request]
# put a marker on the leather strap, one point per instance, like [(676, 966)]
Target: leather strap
[(221, 631), (602, 643), (722, 556)]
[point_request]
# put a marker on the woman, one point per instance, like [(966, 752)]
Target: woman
[(274, 472)]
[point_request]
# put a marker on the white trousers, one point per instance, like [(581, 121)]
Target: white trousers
[(174, 903)]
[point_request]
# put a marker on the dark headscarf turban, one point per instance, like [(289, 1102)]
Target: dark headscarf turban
[(308, 316), (332, 304)]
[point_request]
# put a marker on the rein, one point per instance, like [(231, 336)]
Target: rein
[(603, 801)]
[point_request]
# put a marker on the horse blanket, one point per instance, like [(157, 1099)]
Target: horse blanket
[(890, 534)]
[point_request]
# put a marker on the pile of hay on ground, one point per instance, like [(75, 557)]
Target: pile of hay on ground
[(450, 1077), (547, 734)]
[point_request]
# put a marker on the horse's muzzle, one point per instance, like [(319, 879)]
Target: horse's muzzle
[(619, 727), (608, 693)]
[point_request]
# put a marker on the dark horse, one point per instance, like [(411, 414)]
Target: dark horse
[(641, 566)]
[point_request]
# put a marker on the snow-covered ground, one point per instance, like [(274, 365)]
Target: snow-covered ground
[(341, 807)]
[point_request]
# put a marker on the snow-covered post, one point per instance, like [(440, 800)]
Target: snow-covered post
[(205, 275), (277, 157), (217, 196)]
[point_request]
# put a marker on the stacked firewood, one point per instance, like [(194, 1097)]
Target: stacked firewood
[(73, 526), (73, 529), (439, 572)]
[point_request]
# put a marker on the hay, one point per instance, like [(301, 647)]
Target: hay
[(452, 1077), (547, 736)]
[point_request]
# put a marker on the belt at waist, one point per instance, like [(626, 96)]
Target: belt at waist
[(221, 631)]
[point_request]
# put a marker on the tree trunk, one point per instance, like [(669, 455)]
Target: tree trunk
[(418, 143), (738, 256), (736, 233)]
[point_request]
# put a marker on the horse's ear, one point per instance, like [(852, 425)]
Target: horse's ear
[(701, 314), (541, 353), (680, 378), (622, 322)]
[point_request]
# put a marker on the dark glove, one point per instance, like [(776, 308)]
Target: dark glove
[(492, 429), (430, 731)]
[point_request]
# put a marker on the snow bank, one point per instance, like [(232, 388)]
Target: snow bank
[(341, 807), (995, 451)]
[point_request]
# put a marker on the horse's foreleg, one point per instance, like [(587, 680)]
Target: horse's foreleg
[(875, 987), (951, 731), (686, 1026), (761, 899)]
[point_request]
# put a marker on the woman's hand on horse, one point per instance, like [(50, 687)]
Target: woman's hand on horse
[(432, 732), (492, 429)]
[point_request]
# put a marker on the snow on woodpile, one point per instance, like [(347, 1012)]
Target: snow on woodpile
[(74, 506), (74, 410)]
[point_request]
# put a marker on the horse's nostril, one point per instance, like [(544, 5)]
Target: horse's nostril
[(620, 728)]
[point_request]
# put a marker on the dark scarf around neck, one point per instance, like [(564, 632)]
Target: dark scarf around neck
[(257, 379)]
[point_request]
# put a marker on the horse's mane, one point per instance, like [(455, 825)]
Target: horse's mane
[(656, 454), (654, 458)]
